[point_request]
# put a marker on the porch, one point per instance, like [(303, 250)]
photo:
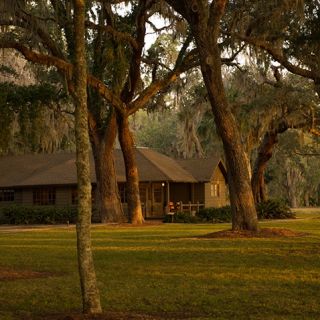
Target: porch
[(159, 198)]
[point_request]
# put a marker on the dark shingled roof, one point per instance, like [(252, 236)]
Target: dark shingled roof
[(60, 169), (203, 169), (38, 169)]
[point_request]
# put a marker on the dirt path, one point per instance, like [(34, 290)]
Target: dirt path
[(24, 228)]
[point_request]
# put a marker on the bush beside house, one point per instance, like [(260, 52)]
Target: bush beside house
[(270, 209), (37, 215)]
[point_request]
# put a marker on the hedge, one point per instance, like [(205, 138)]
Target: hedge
[(18, 214), (270, 209)]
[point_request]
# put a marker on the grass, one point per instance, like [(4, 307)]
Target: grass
[(166, 271)]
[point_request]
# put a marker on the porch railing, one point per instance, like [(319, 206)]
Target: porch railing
[(185, 207)]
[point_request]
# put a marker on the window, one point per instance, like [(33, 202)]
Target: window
[(6, 195), (44, 196), (215, 190), (143, 193)]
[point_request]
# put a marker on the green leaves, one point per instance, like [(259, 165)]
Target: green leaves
[(26, 122)]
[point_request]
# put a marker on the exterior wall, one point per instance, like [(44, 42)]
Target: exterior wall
[(154, 195), (63, 196), (27, 197), (18, 196), (212, 197)]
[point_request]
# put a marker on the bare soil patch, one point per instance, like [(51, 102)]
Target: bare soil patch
[(262, 233), (148, 223), (119, 316), (8, 274)]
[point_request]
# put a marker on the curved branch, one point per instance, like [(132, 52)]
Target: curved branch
[(117, 34), (134, 72), (29, 24), (279, 57), (66, 69), (216, 9), (189, 62)]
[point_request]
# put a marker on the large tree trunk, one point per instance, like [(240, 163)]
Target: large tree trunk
[(128, 150), (89, 289), (241, 197), (306, 199), (108, 199), (264, 155), (204, 19), (294, 179)]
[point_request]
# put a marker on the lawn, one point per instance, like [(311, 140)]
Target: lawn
[(166, 272)]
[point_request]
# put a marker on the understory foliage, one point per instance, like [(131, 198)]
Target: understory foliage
[(35, 110), (293, 173), (182, 217), (32, 119), (270, 209), (37, 214), (215, 215), (274, 209)]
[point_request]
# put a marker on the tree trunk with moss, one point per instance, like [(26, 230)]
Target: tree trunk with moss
[(108, 199), (89, 289), (264, 155), (204, 20), (128, 150)]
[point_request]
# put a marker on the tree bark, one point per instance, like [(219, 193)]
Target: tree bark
[(307, 199), (128, 151), (264, 155), (204, 20), (89, 289), (109, 203), (205, 32), (293, 180)]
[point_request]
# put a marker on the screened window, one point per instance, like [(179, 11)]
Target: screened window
[(44, 196), (6, 195), (143, 193)]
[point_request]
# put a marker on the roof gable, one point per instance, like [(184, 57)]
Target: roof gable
[(169, 167), (203, 169)]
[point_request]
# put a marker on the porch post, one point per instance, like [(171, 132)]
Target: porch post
[(167, 209), (147, 199), (192, 192)]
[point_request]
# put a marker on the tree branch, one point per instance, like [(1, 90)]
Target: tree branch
[(313, 154), (279, 57), (217, 9), (66, 69), (134, 72), (190, 61), (29, 24), (117, 34)]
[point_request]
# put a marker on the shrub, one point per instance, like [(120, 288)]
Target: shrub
[(37, 214), (181, 217), (270, 209), (215, 215), (274, 209)]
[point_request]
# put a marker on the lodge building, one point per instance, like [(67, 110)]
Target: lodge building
[(50, 179)]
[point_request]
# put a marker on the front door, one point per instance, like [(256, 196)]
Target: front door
[(157, 200)]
